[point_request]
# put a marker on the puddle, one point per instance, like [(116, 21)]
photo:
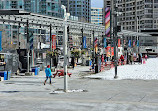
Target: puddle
[(9, 91)]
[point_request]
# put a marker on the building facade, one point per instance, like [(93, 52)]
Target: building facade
[(136, 15), (44, 7), (79, 8), (97, 15)]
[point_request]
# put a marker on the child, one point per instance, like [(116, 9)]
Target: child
[(48, 74)]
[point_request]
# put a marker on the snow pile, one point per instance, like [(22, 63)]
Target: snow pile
[(148, 71)]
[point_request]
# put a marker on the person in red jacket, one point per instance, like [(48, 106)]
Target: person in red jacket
[(122, 59)]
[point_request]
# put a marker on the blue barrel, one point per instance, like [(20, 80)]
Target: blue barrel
[(35, 70), (3, 74)]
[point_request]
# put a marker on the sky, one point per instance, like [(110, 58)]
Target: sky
[(97, 3)]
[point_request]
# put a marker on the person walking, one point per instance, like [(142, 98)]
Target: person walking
[(102, 58), (140, 58), (122, 60), (146, 57), (48, 74), (131, 59), (73, 62)]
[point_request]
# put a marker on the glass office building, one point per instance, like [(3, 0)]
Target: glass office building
[(79, 8)]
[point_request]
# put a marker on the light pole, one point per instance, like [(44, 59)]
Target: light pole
[(115, 39), (50, 44), (66, 15)]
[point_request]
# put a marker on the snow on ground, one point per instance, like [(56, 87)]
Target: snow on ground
[(148, 71)]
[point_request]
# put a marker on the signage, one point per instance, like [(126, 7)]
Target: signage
[(119, 43), (105, 44), (53, 42), (84, 42)]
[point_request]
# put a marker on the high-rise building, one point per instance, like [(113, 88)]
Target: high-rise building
[(79, 8), (45, 7), (143, 13), (97, 15), (137, 15), (11, 4)]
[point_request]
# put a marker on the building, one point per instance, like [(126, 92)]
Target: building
[(97, 16), (12, 4), (136, 15), (44, 7), (79, 8)]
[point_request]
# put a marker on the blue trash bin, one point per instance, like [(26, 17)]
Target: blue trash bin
[(35, 70), (90, 63), (3, 74)]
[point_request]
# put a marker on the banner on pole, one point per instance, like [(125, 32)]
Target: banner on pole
[(119, 43), (112, 51), (137, 43), (96, 45), (53, 42), (0, 40), (129, 43), (84, 42), (133, 43), (107, 21), (31, 40), (105, 44)]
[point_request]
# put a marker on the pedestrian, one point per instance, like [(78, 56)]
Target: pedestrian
[(131, 59), (122, 60), (102, 58), (140, 58), (73, 62), (146, 57), (48, 74)]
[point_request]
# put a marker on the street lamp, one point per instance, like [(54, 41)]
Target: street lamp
[(66, 15)]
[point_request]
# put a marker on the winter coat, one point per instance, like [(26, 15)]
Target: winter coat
[(48, 72), (122, 57)]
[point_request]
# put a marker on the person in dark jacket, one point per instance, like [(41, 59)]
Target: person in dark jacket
[(73, 62)]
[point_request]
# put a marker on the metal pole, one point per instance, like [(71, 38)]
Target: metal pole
[(19, 36), (65, 57), (82, 45), (111, 26), (28, 51), (82, 37), (50, 44), (93, 49), (40, 36), (65, 48), (115, 43)]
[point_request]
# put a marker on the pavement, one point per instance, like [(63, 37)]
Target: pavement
[(27, 93)]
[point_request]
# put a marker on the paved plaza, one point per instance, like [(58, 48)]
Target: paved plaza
[(27, 93)]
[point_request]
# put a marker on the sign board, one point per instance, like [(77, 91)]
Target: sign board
[(105, 44), (84, 42), (53, 42)]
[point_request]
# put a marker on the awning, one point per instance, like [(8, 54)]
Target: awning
[(131, 33)]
